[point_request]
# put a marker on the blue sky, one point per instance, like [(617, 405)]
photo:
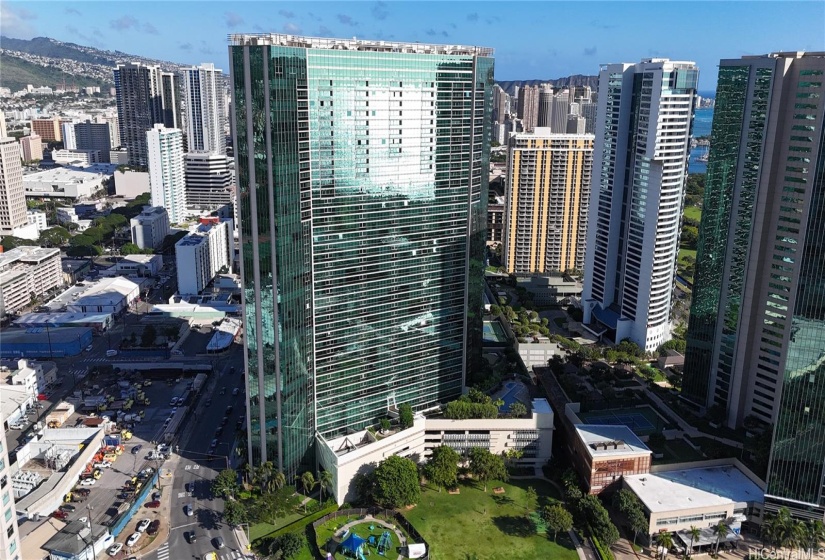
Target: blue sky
[(533, 40)]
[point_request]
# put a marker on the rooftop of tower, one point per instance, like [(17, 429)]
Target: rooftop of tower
[(280, 39)]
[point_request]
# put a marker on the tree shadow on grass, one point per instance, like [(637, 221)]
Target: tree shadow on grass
[(515, 526), (502, 500)]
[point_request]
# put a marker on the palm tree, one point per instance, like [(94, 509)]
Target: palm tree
[(325, 480), (265, 472), (278, 480), (694, 533), (307, 483), (816, 534), (721, 530), (799, 534), (665, 541), (247, 470)]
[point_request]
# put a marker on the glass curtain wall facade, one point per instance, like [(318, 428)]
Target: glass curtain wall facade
[(362, 183), (756, 337)]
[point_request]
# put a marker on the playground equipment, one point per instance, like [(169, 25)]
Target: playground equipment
[(384, 543), (352, 545)]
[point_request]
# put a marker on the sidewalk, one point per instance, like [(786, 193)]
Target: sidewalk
[(164, 512)]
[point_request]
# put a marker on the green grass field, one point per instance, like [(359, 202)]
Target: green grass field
[(693, 212), (487, 525)]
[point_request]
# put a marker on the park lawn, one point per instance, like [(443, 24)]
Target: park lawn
[(487, 525), (259, 530), (686, 253), (694, 213)]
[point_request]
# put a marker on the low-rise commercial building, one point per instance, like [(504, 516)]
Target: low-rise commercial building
[(603, 454), (139, 265), (100, 322), (359, 453), (79, 541), (678, 497), (150, 227), (78, 157), (107, 295), (35, 377), (45, 342), (27, 271), (550, 289), (73, 183)]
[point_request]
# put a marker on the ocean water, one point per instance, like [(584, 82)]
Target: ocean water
[(702, 121)]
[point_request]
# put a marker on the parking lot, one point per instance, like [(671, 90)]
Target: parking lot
[(108, 497)]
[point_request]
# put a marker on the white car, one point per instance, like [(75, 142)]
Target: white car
[(114, 549), (143, 525), (89, 348), (103, 465), (88, 482), (133, 539)]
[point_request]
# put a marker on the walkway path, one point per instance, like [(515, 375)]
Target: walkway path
[(370, 519)]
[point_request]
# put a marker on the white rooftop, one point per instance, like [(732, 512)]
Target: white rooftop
[(694, 488), (26, 253), (90, 292), (606, 440)]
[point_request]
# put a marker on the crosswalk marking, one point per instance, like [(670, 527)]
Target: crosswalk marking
[(231, 555), (163, 552)]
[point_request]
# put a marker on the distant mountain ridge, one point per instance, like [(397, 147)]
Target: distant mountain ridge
[(576, 80), (43, 61)]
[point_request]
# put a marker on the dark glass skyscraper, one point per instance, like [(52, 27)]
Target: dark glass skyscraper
[(756, 337), (362, 177)]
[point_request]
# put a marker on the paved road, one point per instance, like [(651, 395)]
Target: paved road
[(193, 467)]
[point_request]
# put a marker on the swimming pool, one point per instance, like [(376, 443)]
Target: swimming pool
[(494, 332)]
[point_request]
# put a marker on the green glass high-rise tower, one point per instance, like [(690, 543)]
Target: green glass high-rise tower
[(756, 336), (362, 189)]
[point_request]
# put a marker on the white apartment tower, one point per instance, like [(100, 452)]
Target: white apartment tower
[(167, 179), (9, 533), (12, 193), (643, 128), (201, 255), (203, 109)]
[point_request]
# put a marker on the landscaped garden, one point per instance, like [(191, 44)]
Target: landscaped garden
[(487, 525)]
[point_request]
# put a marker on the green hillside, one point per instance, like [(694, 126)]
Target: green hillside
[(18, 72)]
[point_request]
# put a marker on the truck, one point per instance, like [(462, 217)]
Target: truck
[(199, 382), (94, 401)]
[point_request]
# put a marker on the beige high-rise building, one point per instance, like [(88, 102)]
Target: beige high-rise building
[(528, 107), (548, 194), (12, 194), (48, 129), (31, 147)]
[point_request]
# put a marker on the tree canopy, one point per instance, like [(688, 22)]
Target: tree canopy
[(557, 518), (487, 466), (405, 415), (396, 483), (225, 484), (56, 236), (442, 468)]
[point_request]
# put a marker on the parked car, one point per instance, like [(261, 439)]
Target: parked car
[(68, 508), (187, 509), (114, 549), (133, 538), (154, 504), (60, 515), (153, 527), (136, 449), (143, 525), (88, 482), (82, 492), (190, 486), (192, 537), (218, 542)]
